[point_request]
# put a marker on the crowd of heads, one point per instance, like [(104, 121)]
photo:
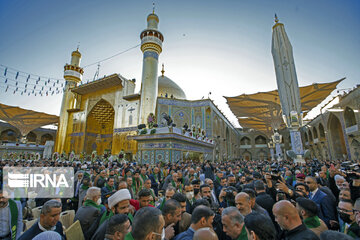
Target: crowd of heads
[(264, 200)]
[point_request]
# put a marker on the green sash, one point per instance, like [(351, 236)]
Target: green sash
[(162, 203), (143, 177), (129, 236), (131, 218), (109, 188), (91, 203), (312, 222), (105, 216), (243, 234), (14, 217)]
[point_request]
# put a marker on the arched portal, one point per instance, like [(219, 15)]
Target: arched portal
[(99, 128), (322, 132), (246, 155), (46, 137), (260, 140), (306, 137), (315, 132), (310, 137), (262, 155), (349, 116), (8, 136), (245, 141), (31, 137), (336, 137)]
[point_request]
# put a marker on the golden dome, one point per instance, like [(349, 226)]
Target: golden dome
[(169, 87), (76, 53)]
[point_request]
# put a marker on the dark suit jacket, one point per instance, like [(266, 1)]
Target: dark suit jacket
[(35, 230), (265, 201), (187, 235), (327, 208), (88, 216)]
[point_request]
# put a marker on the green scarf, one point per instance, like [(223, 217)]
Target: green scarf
[(129, 236), (106, 215), (137, 187), (131, 218), (14, 217), (243, 234), (144, 177), (91, 203), (217, 179), (84, 187), (312, 222), (109, 188), (162, 203)]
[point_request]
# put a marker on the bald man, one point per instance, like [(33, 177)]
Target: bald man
[(288, 218), (205, 234)]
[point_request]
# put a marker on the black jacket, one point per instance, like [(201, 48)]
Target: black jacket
[(265, 201), (88, 217), (299, 233)]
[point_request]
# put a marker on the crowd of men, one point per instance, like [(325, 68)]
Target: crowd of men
[(191, 200)]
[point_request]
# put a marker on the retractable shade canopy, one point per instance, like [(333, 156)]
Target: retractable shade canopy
[(262, 111), (25, 120)]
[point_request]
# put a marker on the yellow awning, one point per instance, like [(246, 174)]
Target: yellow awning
[(25, 120), (262, 111)]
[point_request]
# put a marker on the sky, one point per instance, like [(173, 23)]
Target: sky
[(222, 47)]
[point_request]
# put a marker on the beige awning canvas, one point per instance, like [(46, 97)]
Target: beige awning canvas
[(262, 111), (25, 120)]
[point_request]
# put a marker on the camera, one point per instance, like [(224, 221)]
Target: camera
[(229, 197), (275, 177)]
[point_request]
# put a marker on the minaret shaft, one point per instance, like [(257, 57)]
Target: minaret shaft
[(151, 46), (73, 75)]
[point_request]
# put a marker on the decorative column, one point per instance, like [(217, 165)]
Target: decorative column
[(288, 88)]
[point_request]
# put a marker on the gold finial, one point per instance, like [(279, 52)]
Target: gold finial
[(153, 8), (162, 71), (276, 18)]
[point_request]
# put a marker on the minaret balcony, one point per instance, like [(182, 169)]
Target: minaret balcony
[(73, 68), (152, 33)]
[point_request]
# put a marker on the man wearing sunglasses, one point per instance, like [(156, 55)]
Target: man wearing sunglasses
[(346, 213)]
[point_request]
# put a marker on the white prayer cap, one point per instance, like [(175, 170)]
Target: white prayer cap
[(338, 177), (84, 166), (119, 196)]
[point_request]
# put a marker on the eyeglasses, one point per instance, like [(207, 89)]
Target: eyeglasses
[(343, 210)]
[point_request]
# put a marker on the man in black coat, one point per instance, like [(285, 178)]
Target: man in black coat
[(263, 199), (287, 216), (49, 221), (89, 213)]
